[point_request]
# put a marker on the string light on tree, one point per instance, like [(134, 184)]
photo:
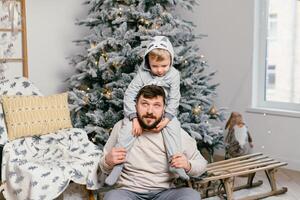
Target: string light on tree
[(120, 13)]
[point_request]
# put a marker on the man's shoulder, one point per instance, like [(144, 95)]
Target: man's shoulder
[(117, 127), (118, 124)]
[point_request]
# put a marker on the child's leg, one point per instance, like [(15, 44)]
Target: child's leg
[(125, 140), (172, 138)]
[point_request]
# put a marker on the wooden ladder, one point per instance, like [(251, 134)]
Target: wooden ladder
[(24, 58)]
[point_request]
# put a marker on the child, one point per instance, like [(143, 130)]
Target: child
[(238, 140), (156, 69)]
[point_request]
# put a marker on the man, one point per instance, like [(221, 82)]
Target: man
[(145, 174)]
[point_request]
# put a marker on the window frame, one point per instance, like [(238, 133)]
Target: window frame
[(259, 63)]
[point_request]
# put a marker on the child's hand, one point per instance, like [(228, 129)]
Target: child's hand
[(136, 127), (162, 124)]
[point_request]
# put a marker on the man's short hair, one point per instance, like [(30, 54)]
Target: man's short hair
[(150, 92)]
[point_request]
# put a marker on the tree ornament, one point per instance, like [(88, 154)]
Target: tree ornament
[(147, 22), (156, 26), (197, 110), (105, 56), (213, 110), (116, 65), (86, 99), (107, 92), (84, 88), (93, 45), (142, 20)]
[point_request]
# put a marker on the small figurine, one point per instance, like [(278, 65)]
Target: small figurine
[(238, 141)]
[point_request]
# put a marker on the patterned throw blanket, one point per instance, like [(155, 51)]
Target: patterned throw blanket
[(40, 168)]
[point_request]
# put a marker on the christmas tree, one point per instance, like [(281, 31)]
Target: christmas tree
[(118, 34)]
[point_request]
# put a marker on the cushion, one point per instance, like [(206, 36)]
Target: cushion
[(14, 86), (35, 115)]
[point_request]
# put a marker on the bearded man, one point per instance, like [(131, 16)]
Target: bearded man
[(145, 175)]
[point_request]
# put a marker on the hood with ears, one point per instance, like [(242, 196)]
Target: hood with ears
[(159, 42)]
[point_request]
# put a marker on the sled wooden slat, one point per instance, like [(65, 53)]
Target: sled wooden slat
[(225, 172)]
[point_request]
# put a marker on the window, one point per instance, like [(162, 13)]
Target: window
[(277, 54), (270, 79), (272, 26)]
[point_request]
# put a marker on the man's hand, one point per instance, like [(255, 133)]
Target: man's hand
[(180, 161), (116, 156), (136, 127), (162, 124)]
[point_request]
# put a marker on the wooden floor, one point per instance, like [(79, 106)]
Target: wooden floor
[(285, 178)]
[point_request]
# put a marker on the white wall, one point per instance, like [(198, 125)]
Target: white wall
[(228, 48), (50, 31)]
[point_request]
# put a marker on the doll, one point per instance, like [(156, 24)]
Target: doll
[(238, 141)]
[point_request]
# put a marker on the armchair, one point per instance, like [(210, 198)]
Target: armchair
[(41, 167)]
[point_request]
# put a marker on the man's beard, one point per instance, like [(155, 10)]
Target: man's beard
[(144, 125)]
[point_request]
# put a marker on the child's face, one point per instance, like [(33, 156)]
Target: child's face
[(159, 68)]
